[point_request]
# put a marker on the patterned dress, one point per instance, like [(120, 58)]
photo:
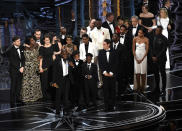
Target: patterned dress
[(31, 86)]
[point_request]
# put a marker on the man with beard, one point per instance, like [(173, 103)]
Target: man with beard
[(98, 35)]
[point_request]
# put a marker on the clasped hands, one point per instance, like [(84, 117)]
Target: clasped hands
[(108, 74)]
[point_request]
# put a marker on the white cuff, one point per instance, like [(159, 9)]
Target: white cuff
[(153, 27), (111, 73), (104, 72)]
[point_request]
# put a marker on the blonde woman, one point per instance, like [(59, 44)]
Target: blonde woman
[(163, 20)]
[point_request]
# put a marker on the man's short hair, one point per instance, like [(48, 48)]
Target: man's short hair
[(37, 30), (107, 41), (124, 26), (85, 35), (109, 14), (69, 36), (15, 38), (135, 17), (160, 27)]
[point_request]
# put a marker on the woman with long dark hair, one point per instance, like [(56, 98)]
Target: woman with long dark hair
[(31, 86), (140, 51)]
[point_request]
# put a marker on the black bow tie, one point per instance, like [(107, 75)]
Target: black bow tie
[(111, 23), (121, 36), (76, 60), (17, 48), (107, 50), (64, 60), (134, 27)]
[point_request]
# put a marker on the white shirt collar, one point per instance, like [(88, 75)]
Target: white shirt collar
[(16, 46), (116, 43)]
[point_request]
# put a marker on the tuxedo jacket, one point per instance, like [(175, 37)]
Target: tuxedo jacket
[(63, 41), (92, 71), (106, 25), (15, 61), (98, 36), (122, 59), (91, 49), (76, 71), (58, 71), (131, 30), (128, 42), (158, 47), (110, 66)]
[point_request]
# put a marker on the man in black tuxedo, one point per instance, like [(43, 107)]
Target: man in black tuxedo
[(122, 68), (16, 58), (167, 5), (37, 36), (62, 35), (62, 80), (78, 40), (158, 53), (90, 74), (108, 66), (77, 86), (109, 23), (133, 30), (126, 41)]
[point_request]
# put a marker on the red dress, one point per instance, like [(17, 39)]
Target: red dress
[(117, 29)]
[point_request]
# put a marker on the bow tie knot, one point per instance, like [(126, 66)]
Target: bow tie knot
[(121, 36)]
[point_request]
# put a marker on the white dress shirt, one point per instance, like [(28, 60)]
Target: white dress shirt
[(89, 65), (18, 50), (122, 39), (111, 26), (89, 30), (76, 62), (115, 45), (65, 67), (134, 30), (107, 55)]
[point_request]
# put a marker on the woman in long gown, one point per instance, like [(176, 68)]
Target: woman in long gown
[(140, 50), (31, 86), (47, 57)]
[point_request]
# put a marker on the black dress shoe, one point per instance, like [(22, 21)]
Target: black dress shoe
[(57, 112), (162, 93)]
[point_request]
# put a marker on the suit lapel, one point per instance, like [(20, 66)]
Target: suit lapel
[(16, 52), (89, 48), (84, 51)]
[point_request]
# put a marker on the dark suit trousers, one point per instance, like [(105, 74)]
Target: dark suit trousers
[(159, 67), (76, 92), (122, 84), (90, 91), (109, 85), (44, 83), (16, 82), (62, 93)]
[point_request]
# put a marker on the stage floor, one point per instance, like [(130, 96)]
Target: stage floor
[(41, 116), (133, 111)]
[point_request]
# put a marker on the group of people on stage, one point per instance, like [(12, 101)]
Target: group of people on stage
[(104, 54)]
